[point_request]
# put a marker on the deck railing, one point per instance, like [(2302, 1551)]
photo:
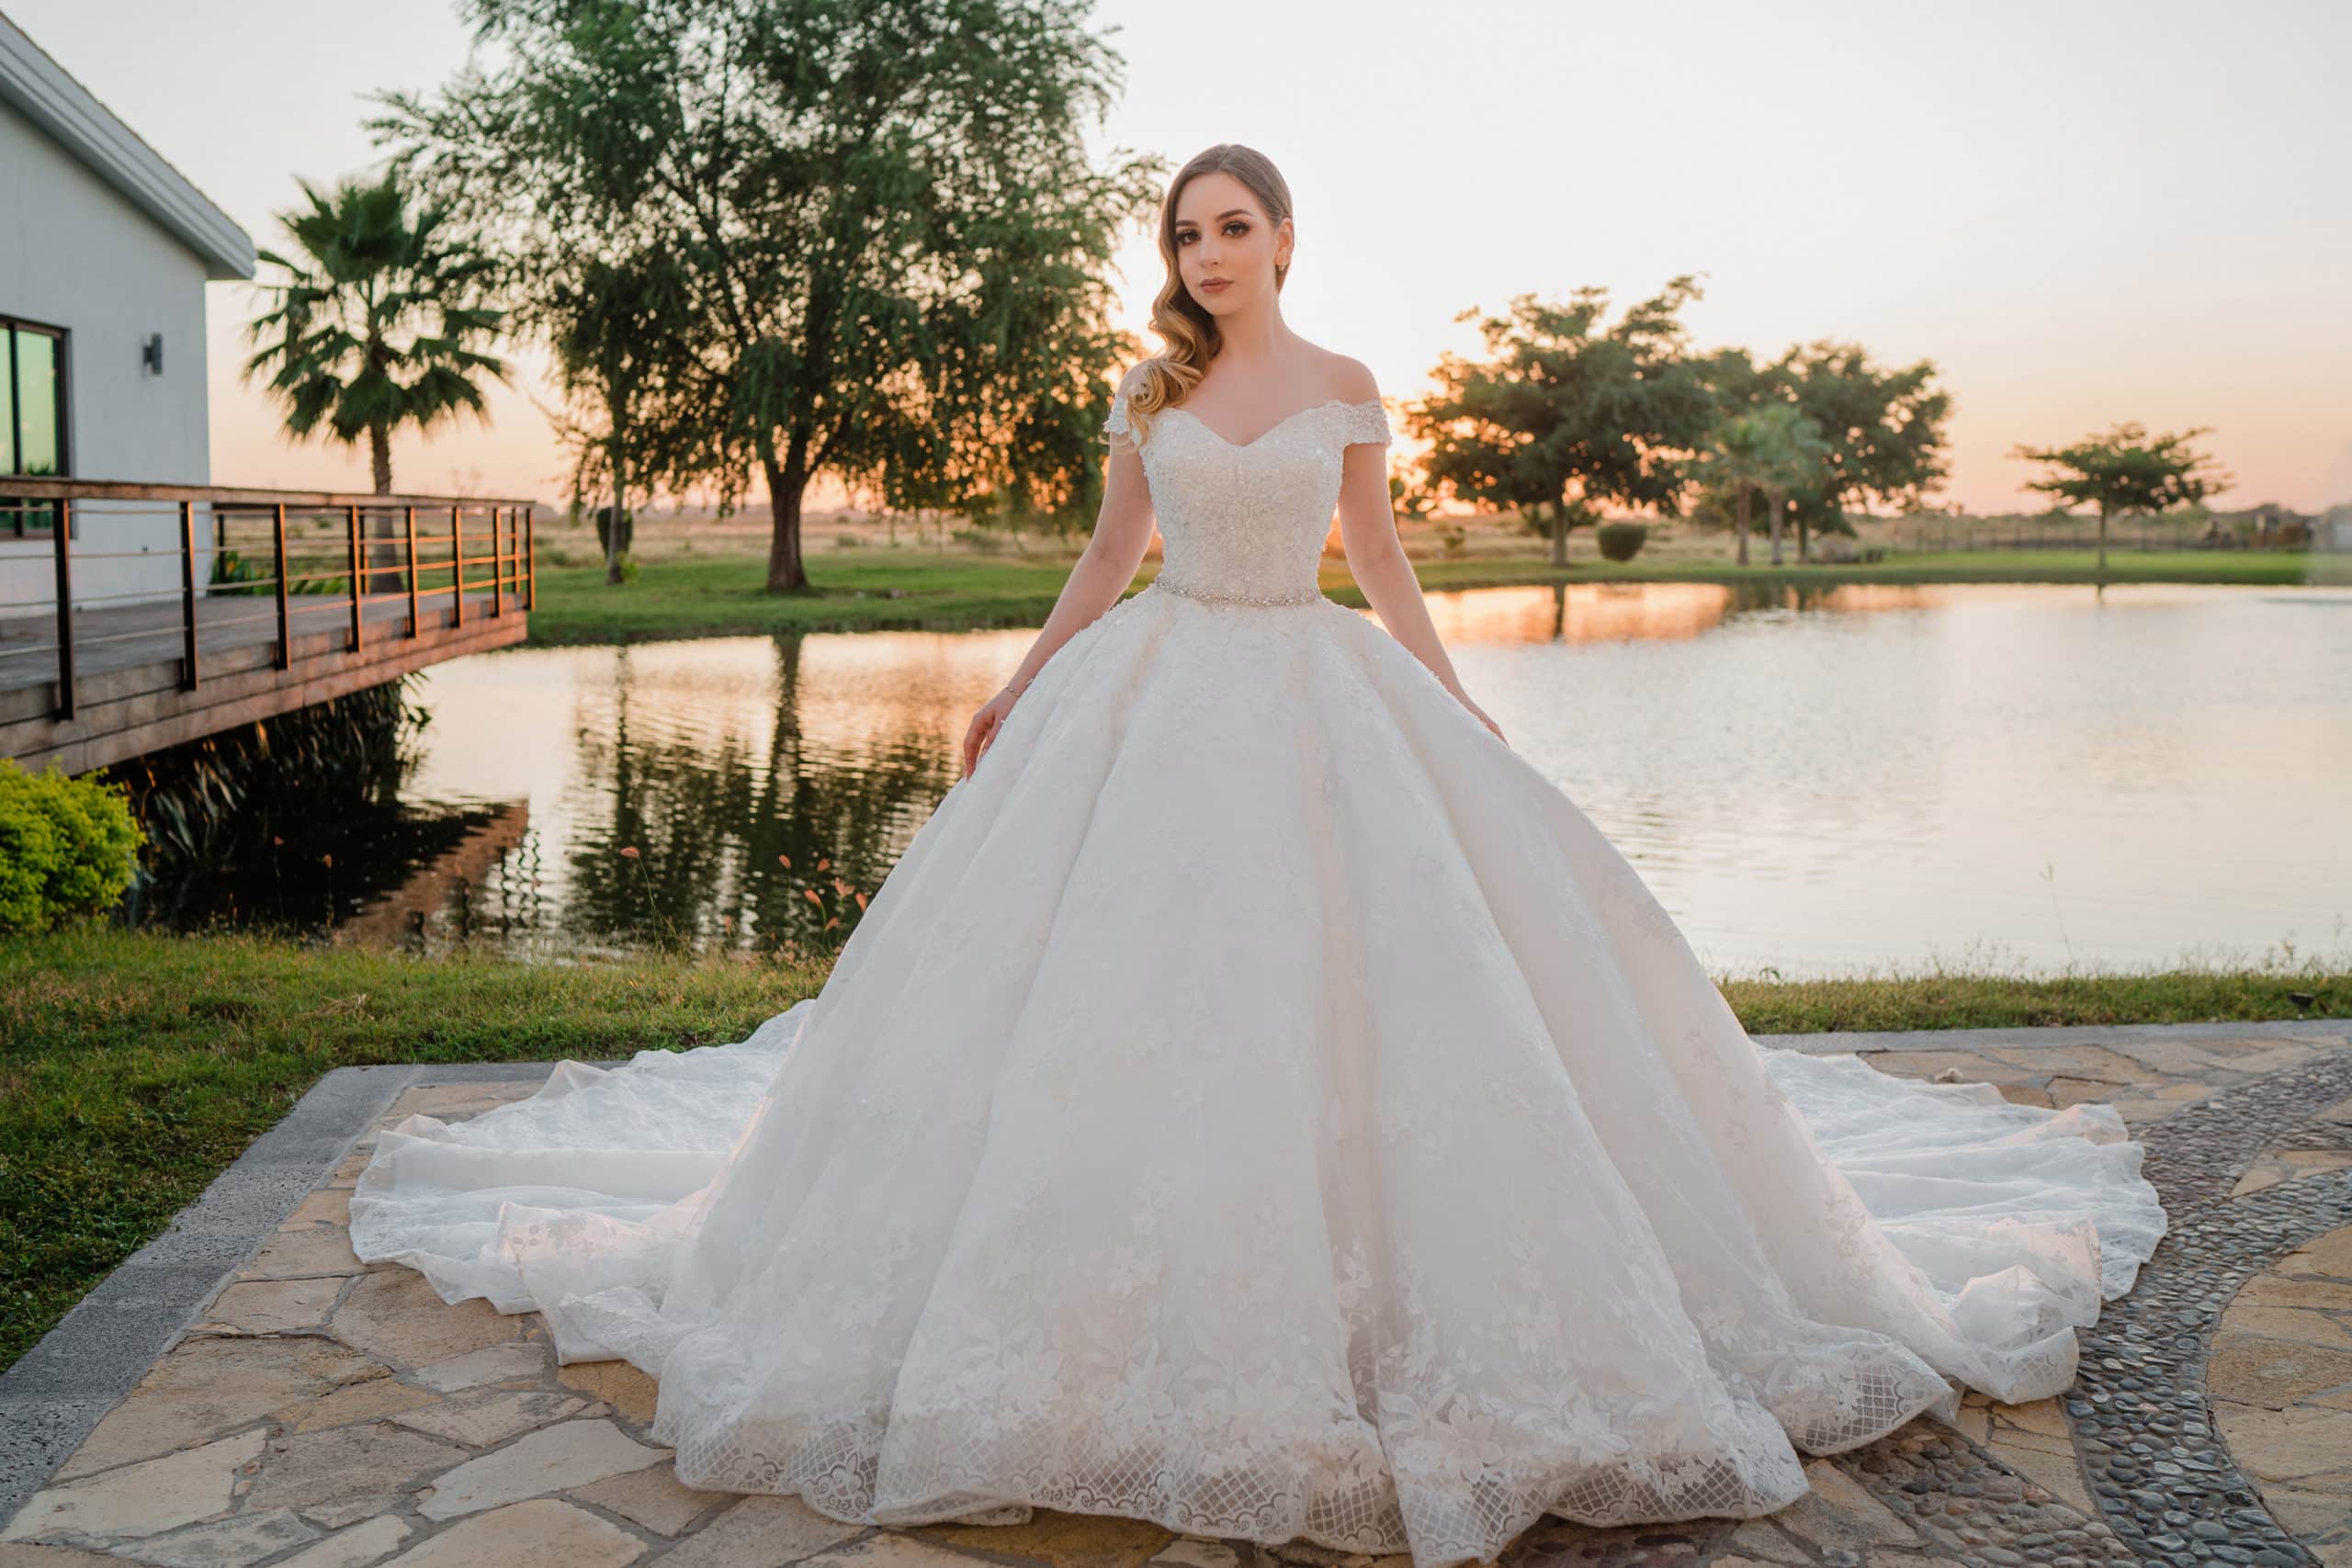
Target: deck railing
[(386, 563)]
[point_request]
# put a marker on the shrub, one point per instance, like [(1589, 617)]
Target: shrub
[(1622, 541), (68, 848)]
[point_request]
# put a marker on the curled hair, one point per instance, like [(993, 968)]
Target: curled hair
[(1178, 319)]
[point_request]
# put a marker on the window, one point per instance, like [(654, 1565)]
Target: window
[(32, 419)]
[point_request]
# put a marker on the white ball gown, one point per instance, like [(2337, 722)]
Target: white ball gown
[(1258, 1101)]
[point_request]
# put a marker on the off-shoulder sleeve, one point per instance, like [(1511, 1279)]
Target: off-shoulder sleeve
[(1364, 422)]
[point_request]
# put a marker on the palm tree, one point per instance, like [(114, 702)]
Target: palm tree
[(374, 325), (1734, 466), (1773, 447)]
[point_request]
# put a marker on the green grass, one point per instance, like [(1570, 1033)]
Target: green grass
[(726, 596), (137, 1065), (1937, 998)]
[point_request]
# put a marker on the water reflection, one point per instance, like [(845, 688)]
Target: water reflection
[(1810, 779)]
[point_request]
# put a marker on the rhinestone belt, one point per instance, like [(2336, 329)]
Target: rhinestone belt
[(1308, 597)]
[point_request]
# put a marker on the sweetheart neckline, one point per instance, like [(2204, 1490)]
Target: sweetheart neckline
[(1296, 413)]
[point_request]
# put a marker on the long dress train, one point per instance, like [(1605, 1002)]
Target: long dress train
[(1258, 1101)]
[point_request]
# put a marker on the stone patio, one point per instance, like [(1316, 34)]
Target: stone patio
[(246, 1391)]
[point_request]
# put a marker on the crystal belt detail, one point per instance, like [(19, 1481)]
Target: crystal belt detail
[(1308, 596)]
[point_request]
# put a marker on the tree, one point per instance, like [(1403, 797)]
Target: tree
[(1568, 417), (373, 326), (1884, 427), (894, 243), (1773, 447), (614, 327), (2124, 471)]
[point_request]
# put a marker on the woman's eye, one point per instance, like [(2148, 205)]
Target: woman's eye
[(1237, 229)]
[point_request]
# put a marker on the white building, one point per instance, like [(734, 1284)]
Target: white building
[(105, 252)]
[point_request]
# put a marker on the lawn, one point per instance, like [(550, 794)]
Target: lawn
[(138, 1065), (877, 589)]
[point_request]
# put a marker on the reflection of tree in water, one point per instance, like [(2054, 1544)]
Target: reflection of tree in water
[(295, 821), (713, 825), (1609, 612)]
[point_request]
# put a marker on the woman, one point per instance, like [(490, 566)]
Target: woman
[(1258, 1100)]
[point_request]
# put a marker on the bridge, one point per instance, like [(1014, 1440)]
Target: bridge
[(137, 617)]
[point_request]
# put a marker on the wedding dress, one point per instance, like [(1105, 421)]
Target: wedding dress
[(1258, 1101)]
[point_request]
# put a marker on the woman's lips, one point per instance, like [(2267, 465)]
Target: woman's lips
[(1216, 285)]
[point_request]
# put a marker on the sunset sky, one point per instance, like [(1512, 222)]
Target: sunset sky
[(2083, 213)]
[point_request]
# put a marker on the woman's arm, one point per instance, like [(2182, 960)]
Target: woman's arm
[(1122, 533), (1376, 556)]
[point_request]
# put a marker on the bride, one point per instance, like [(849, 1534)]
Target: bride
[(1258, 1100)]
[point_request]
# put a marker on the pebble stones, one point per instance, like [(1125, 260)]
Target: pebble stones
[(1965, 1504), (2139, 1411)]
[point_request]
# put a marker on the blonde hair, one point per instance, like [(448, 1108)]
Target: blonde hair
[(1190, 332)]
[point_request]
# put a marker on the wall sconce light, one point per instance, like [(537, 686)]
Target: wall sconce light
[(151, 354)]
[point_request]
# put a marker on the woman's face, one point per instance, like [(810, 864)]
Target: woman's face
[(1225, 251)]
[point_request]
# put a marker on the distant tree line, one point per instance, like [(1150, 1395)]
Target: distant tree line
[(803, 240)]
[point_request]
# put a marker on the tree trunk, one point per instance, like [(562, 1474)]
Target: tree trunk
[(1804, 540), (1559, 534), (384, 559), (788, 483), (2102, 541), (1772, 499), (620, 500), (1743, 497)]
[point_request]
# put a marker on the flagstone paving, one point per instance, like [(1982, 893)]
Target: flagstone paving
[(318, 1413)]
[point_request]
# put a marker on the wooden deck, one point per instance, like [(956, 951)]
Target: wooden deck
[(113, 682)]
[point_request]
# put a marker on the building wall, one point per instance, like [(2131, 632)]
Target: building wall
[(75, 254)]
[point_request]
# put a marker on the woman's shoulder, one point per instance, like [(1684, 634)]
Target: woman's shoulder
[(1350, 379)]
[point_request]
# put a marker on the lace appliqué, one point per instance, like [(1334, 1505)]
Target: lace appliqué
[(1245, 522), (1359, 424)]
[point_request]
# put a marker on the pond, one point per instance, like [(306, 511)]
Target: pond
[(1814, 782)]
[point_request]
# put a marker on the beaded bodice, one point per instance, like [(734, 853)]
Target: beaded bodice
[(1247, 523)]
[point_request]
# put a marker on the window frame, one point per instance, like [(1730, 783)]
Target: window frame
[(61, 339)]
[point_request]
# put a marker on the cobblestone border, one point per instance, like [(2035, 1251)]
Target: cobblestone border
[(2141, 1418)]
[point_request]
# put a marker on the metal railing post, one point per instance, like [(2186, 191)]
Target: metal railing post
[(530, 563), (188, 673), (497, 566), (285, 620), (353, 523), (408, 519), (458, 565), (63, 520)]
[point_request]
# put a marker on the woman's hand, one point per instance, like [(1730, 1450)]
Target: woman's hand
[(1478, 713), (985, 724)]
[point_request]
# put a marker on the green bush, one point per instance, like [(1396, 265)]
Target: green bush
[(1622, 541), (68, 848), (605, 545)]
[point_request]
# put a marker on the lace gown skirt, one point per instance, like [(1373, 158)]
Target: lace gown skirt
[(1258, 1101)]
